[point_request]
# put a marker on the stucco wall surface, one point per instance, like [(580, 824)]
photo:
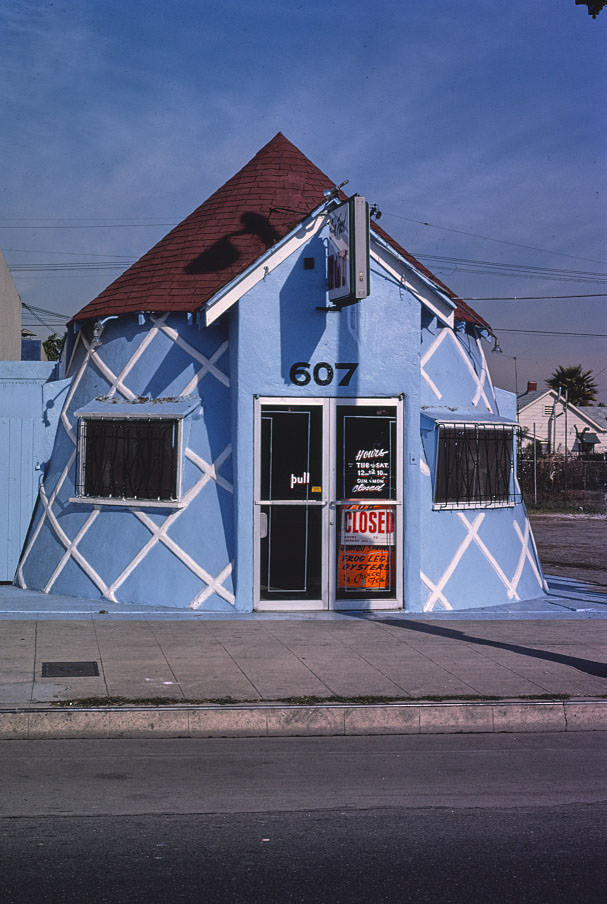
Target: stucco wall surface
[(279, 324), (133, 553), (474, 556)]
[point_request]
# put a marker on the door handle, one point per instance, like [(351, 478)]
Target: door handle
[(332, 508), (263, 525)]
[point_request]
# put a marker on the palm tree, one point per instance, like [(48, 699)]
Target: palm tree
[(577, 383)]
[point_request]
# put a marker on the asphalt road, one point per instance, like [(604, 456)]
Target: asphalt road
[(457, 819), (538, 855)]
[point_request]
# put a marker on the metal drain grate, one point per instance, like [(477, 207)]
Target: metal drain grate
[(69, 669)]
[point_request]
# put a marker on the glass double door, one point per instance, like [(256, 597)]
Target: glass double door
[(328, 513)]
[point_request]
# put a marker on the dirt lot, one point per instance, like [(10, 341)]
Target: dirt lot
[(573, 546)]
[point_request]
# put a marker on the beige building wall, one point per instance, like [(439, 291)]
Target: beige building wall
[(10, 316)]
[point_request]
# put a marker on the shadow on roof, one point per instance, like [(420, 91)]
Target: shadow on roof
[(223, 253)]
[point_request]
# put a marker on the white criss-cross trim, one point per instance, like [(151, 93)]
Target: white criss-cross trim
[(115, 383), (472, 535), (71, 548), (68, 401), (43, 516), (526, 538), (483, 378), (434, 346), (508, 584), (69, 552), (436, 594), (215, 586), (208, 364), (159, 534), (479, 380), (48, 502), (210, 472), (437, 589), (118, 382), (160, 531)]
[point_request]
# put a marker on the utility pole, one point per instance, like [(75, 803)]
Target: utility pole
[(566, 398)]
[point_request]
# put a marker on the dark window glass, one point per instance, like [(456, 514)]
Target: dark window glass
[(129, 459), (474, 465), (291, 452), (366, 440), (291, 552)]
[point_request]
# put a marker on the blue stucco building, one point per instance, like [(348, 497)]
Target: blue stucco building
[(233, 438)]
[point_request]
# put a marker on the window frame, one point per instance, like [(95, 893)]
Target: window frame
[(140, 502), (497, 500)]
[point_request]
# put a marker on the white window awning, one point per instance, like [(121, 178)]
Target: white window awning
[(452, 416), (174, 407)]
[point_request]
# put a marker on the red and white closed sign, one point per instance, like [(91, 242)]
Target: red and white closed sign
[(367, 526)]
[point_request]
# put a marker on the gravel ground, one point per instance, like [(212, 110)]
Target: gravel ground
[(573, 546)]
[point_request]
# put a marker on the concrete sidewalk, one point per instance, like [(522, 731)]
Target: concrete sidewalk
[(538, 665)]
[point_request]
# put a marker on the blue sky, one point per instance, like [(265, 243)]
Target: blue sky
[(484, 120)]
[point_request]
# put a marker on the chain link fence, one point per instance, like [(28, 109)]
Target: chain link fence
[(554, 481)]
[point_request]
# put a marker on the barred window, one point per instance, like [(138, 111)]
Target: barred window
[(128, 458), (474, 465)]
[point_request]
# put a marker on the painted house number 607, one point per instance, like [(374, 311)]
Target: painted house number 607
[(322, 373)]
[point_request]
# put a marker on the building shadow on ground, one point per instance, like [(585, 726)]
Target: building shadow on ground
[(589, 666)]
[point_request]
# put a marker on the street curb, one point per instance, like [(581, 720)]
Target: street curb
[(279, 720)]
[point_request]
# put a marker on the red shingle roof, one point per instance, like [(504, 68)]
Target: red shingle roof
[(257, 207)]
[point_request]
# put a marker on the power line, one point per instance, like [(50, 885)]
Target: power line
[(89, 226), (48, 251), (535, 297), (33, 307), (115, 223), (68, 267), (37, 316), (489, 238), (505, 265), (474, 266), (501, 329)]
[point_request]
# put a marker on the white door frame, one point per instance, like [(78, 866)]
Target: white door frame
[(328, 504)]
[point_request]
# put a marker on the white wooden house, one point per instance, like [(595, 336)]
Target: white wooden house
[(560, 426)]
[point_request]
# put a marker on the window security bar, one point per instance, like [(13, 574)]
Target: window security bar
[(127, 459), (475, 465)]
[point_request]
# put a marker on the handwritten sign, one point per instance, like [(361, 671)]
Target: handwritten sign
[(368, 457), (365, 568), (371, 471)]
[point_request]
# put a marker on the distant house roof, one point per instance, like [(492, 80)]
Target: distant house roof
[(595, 414), (528, 397), (599, 416), (250, 213)]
